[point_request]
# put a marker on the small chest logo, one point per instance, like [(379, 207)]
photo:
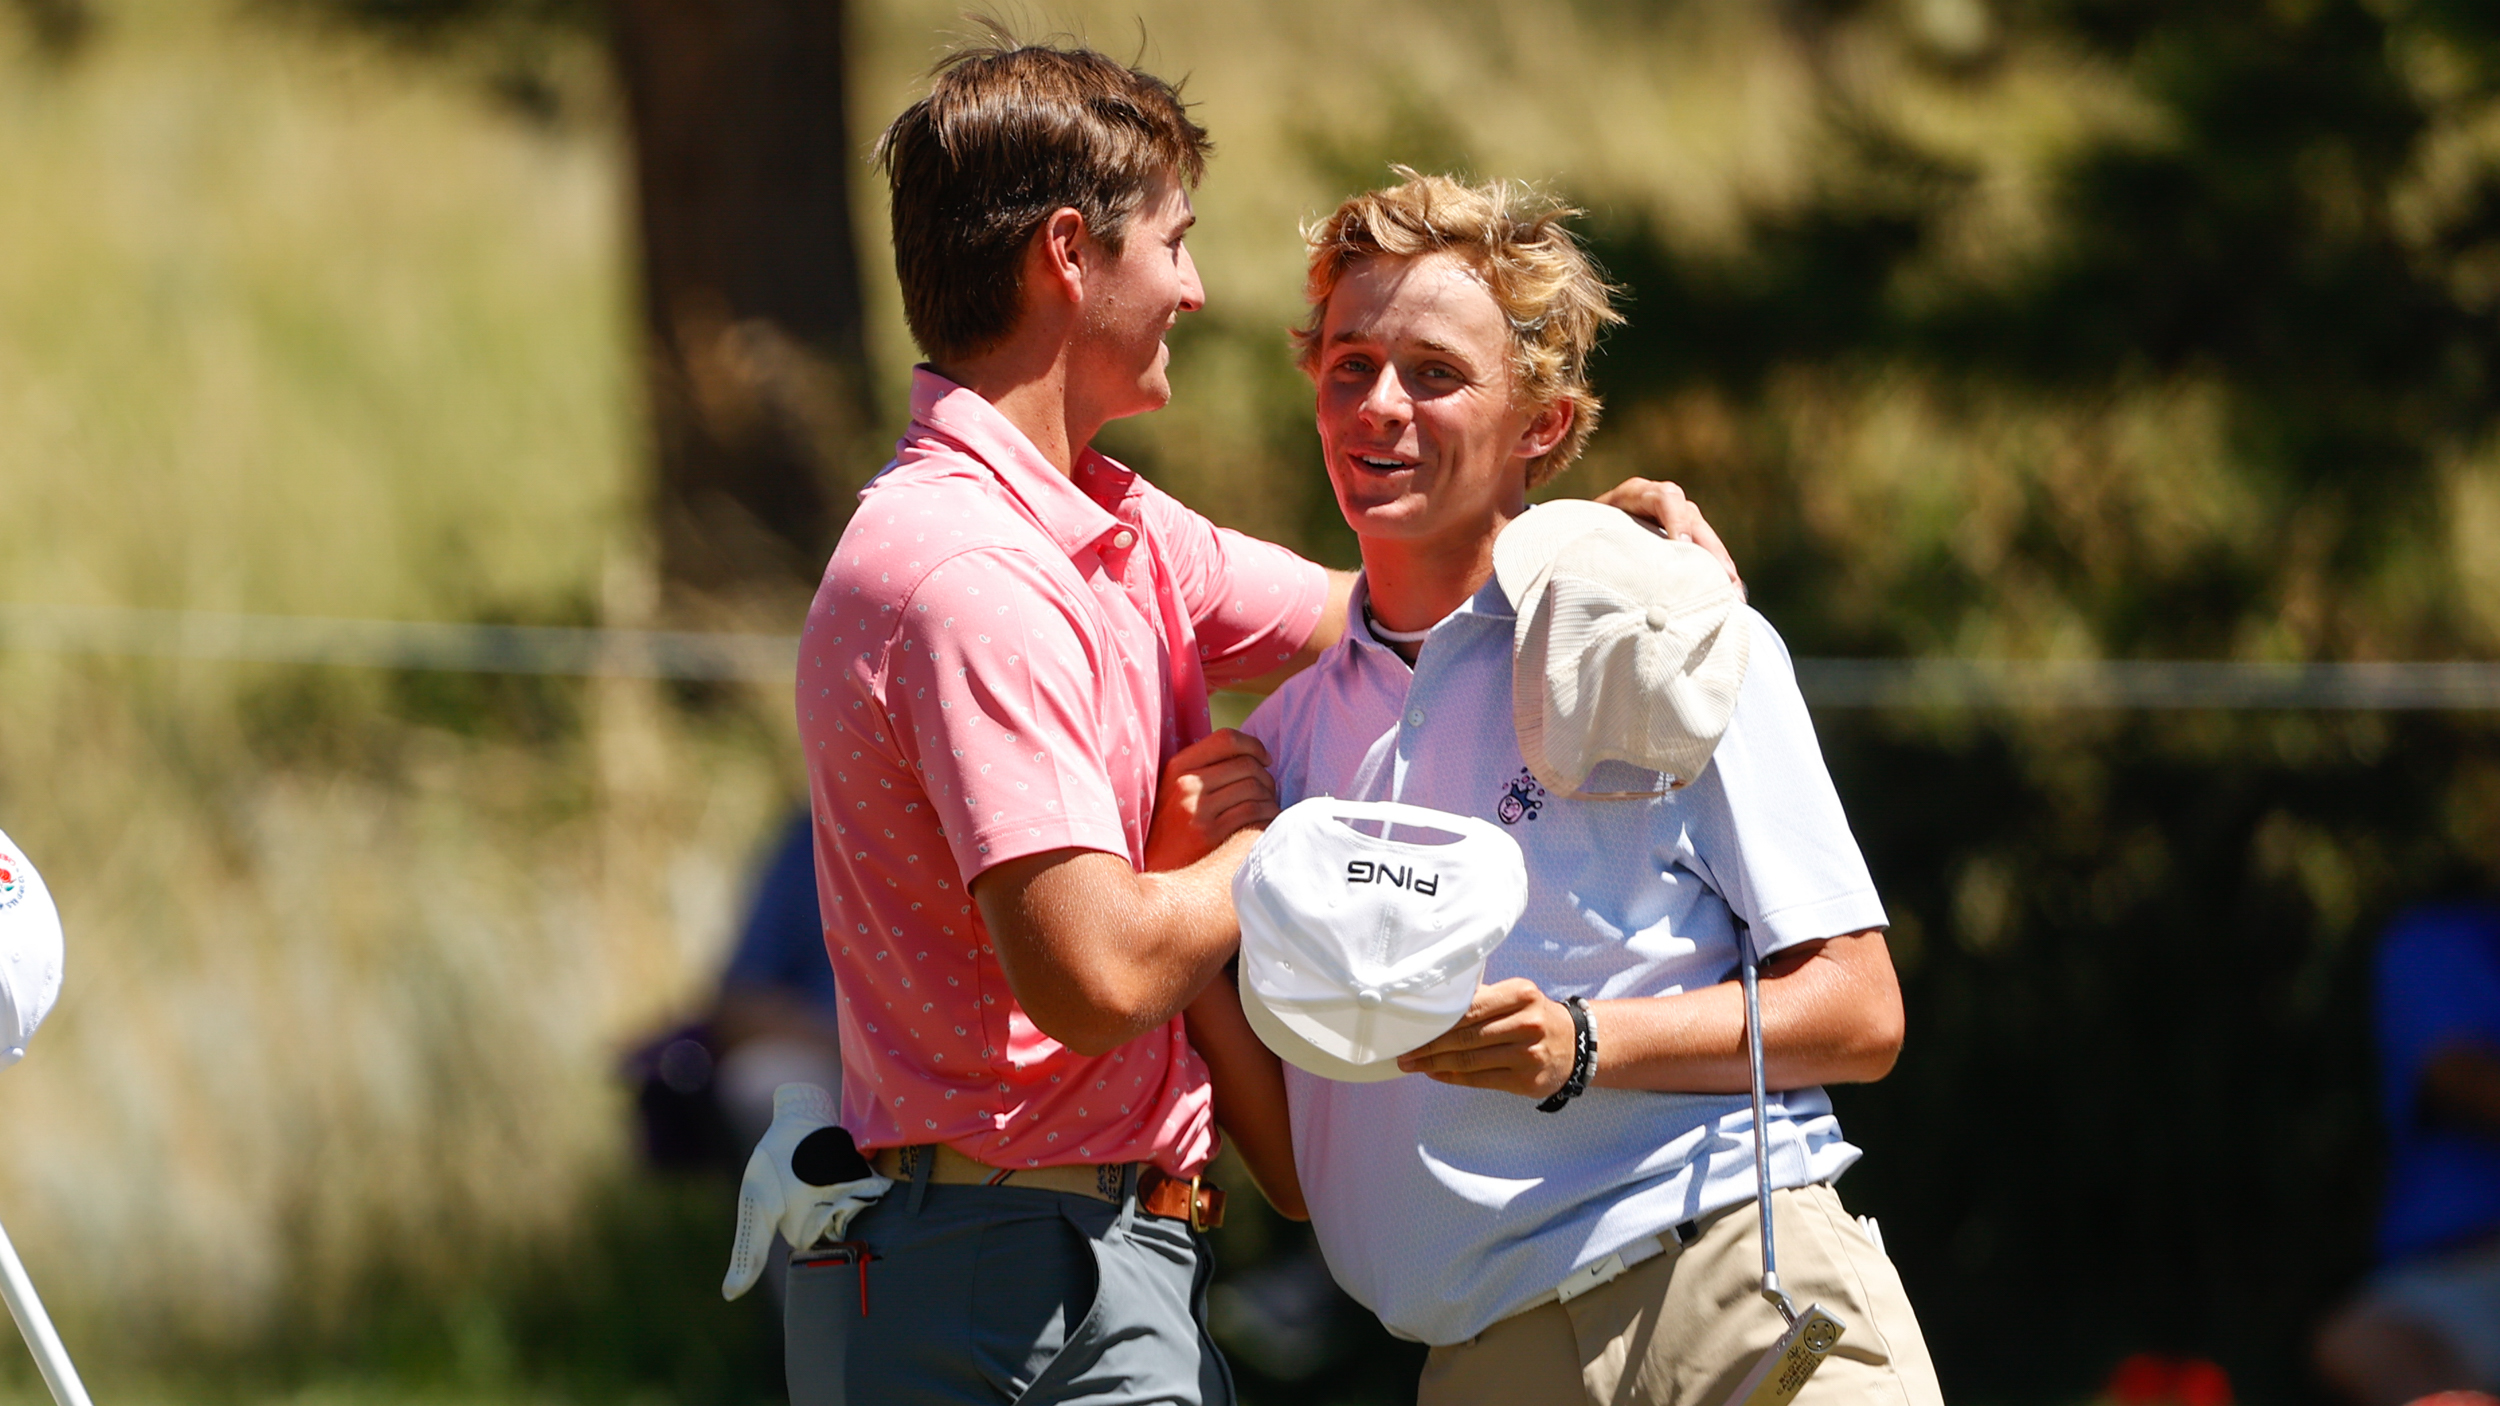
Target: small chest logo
[(1365, 871), (12, 879), (1521, 799)]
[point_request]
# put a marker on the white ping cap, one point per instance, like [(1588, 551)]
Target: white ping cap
[(1365, 926), (30, 952), (1628, 647)]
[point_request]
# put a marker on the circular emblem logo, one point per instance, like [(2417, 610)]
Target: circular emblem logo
[(1820, 1337), (12, 879)]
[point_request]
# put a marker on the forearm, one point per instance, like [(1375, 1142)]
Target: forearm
[(1827, 1019), (1249, 1085), (1098, 954), (1831, 1014)]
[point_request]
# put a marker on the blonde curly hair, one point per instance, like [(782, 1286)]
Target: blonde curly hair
[(1516, 239)]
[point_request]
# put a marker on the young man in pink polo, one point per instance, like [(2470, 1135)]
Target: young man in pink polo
[(1024, 823)]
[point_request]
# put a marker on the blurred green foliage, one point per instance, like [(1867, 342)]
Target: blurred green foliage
[(2135, 1111)]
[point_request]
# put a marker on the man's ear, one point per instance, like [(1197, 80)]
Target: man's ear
[(1056, 261), (1550, 428)]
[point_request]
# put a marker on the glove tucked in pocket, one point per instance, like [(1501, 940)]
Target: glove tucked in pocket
[(806, 1180)]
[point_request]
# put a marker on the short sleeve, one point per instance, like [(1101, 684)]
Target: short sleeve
[(1253, 604), (992, 685), (1767, 821)]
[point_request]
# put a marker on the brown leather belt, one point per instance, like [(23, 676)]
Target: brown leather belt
[(1196, 1200)]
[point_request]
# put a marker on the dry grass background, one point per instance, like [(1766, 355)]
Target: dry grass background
[(290, 326)]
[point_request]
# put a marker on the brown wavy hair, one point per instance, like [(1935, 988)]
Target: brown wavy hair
[(1008, 135)]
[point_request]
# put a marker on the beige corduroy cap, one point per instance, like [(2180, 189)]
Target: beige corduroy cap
[(1628, 647)]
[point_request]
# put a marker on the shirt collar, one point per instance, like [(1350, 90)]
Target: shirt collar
[(1076, 514), (1488, 604)]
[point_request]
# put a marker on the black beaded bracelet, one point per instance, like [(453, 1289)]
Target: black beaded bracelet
[(1583, 1057)]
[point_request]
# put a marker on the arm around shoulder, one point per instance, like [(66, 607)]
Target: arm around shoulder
[(1324, 636)]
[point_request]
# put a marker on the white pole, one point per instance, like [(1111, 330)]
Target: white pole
[(50, 1357)]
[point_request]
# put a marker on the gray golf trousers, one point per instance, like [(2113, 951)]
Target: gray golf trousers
[(999, 1294)]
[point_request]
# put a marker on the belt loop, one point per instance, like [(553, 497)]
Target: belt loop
[(920, 1165), (1128, 1199)]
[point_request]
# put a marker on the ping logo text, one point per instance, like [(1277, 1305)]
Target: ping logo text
[(1365, 871)]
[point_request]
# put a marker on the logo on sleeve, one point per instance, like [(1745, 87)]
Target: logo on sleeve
[(1365, 871), (1521, 799)]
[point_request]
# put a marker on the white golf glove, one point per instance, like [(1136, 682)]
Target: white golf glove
[(806, 1180)]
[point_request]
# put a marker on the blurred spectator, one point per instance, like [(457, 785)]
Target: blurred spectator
[(706, 1087), (775, 1021), (2428, 1319)]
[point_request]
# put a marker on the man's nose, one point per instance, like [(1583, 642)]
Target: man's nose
[(1385, 400), (1193, 293)]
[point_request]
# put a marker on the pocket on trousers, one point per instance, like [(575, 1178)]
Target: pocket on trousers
[(818, 1310), (1843, 1270), (1035, 1285)]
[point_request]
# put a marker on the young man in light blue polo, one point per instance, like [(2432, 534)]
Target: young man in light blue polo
[(1594, 1251)]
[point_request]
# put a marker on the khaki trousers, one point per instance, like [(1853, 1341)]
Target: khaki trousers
[(1683, 1327)]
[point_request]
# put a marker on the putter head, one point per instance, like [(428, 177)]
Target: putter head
[(1784, 1369)]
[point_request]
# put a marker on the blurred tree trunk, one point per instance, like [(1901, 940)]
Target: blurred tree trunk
[(58, 26), (756, 367)]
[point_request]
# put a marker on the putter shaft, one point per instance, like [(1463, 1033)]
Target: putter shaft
[(1782, 1371), (1748, 969), (50, 1357)]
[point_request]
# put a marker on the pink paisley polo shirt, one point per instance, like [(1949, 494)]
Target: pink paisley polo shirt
[(998, 663)]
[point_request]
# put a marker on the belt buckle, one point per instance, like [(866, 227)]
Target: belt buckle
[(1206, 1205), (1590, 1276)]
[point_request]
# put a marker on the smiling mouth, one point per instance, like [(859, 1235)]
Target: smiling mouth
[(1381, 463)]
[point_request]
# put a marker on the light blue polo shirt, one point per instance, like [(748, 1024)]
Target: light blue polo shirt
[(1445, 1209)]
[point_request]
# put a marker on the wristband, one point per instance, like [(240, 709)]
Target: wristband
[(1583, 1057)]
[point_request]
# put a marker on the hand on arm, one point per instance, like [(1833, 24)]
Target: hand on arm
[(1211, 791), (1831, 1014), (1098, 953)]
